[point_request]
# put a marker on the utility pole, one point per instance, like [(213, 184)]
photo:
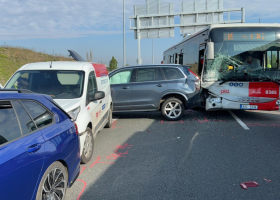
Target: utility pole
[(124, 62), (153, 51)]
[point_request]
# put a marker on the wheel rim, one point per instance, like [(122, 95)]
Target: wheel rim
[(54, 186), (88, 145), (173, 109)]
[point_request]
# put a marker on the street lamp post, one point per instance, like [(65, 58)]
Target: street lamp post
[(124, 62)]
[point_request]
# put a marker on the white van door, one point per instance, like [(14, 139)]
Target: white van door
[(95, 107)]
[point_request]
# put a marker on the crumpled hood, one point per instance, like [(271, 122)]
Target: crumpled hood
[(68, 104)]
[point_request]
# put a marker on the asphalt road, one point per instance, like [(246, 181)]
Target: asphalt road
[(206, 155)]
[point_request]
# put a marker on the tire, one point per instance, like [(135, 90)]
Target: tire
[(88, 147), (110, 119), (48, 188), (172, 109)]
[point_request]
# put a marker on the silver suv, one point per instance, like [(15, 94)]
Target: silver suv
[(167, 88)]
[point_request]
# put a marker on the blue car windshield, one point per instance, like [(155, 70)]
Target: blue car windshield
[(59, 84)]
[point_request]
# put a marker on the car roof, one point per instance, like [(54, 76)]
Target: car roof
[(55, 65)]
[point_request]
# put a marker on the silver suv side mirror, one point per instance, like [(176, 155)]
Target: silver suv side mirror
[(210, 51)]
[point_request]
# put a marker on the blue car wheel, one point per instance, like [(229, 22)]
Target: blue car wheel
[(54, 183)]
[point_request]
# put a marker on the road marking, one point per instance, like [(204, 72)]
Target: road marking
[(238, 120)]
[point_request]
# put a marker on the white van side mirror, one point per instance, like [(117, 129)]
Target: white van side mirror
[(210, 51)]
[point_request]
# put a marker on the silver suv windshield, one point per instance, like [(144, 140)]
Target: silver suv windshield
[(250, 54), (59, 84)]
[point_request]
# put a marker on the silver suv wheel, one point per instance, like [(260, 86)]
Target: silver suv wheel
[(172, 109)]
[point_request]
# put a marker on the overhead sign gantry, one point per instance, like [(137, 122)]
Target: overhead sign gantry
[(156, 19)]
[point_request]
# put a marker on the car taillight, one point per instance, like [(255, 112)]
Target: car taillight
[(76, 127), (197, 81), (194, 74)]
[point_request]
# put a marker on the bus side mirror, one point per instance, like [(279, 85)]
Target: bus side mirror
[(210, 51)]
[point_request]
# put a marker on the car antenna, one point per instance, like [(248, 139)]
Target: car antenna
[(51, 61)]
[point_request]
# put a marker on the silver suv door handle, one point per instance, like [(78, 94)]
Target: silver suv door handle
[(159, 85), (125, 87)]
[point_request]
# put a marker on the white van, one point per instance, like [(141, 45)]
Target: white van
[(82, 89)]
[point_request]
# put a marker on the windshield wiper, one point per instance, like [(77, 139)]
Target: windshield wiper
[(227, 79), (269, 79)]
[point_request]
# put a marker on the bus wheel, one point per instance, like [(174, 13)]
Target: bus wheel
[(172, 109)]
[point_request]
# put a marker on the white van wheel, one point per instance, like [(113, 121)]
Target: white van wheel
[(88, 147)]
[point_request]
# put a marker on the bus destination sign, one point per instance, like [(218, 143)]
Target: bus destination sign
[(249, 36)]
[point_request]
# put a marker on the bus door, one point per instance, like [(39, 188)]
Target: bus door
[(201, 58), (272, 59)]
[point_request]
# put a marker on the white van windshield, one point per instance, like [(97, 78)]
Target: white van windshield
[(56, 83)]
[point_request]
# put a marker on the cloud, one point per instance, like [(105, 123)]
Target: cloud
[(258, 8), (78, 18)]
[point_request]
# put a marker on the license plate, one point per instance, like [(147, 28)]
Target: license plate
[(249, 107)]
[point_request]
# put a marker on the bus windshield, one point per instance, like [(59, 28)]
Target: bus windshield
[(59, 84), (244, 54)]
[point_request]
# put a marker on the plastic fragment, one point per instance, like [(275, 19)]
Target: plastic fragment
[(267, 180), (148, 131), (233, 137), (178, 137), (245, 185)]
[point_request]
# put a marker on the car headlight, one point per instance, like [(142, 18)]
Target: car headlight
[(74, 113)]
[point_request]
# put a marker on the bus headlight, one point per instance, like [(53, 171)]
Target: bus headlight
[(278, 102), (215, 100)]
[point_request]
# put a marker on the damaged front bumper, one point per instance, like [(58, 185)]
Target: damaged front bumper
[(243, 103)]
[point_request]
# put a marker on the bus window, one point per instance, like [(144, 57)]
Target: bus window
[(175, 58), (181, 59)]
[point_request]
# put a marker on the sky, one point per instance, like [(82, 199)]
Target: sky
[(82, 25)]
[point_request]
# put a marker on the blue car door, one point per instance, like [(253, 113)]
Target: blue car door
[(21, 152)]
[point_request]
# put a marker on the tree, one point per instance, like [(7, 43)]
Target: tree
[(113, 64)]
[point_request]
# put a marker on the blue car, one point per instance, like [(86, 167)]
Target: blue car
[(39, 147)]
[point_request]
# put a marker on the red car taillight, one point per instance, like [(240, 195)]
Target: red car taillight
[(197, 81), (76, 127)]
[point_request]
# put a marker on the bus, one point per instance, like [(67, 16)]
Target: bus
[(238, 65)]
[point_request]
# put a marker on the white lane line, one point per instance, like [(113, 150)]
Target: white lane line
[(238, 120)]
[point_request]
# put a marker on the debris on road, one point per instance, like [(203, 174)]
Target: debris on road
[(245, 185), (267, 180)]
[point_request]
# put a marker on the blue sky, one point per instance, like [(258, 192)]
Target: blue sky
[(83, 25)]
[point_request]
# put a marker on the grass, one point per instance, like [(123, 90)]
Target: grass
[(12, 58)]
